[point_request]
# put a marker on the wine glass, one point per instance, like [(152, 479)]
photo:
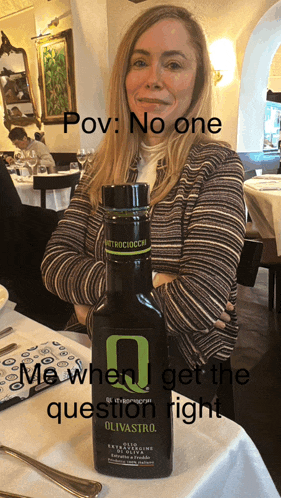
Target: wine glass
[(19, 160), (31, 159), (19, 157), (90, 155), (82, 157)]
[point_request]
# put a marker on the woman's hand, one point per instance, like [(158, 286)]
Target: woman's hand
[(81, 311), (163, 278), (225, 317)]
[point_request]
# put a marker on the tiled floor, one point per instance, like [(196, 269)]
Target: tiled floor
[(258, 403)]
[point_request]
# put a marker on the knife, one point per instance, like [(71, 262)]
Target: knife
[(6, 331), (8, 349)]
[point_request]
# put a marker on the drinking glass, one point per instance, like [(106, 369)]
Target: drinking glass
[(41, 170), (82, 157), (31, 159), (90, 155), (20, 163), (18, 156)]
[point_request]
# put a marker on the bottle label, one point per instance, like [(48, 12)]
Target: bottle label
[(130, 424), (127, 247), (143, 362), (127, 239), (131, 454)]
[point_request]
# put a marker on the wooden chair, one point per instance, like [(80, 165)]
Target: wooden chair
[(268, 258), (249, 262), (248, 174), (272, 262), (50, 182)]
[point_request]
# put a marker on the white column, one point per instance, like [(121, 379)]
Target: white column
[(90, 33)]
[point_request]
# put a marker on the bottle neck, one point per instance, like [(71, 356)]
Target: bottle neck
[(129, 278), (127, 247)]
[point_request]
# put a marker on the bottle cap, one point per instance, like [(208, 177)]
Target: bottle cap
[(127, 196)]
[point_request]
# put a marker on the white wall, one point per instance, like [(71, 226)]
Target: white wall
[(91, 64), (274, 83)]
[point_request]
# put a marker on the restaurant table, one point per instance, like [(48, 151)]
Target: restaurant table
[(213, 457), (57, 200), (263, 199)]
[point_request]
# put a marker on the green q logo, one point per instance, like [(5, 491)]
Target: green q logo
[(143, 360)]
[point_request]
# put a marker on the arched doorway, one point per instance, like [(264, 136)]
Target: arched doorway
[(259, 53)]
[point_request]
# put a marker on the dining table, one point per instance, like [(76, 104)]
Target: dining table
[(263, 200), (212, 458), (57, 200)]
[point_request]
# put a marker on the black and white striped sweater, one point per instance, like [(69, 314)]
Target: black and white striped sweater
[(197, 232)]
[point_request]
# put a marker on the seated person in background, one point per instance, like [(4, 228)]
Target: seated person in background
[(10, 90), (20, 139), (16, 113)]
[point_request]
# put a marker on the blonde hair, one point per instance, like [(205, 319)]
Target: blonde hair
[(118, 151)]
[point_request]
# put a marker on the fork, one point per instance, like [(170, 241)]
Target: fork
[(83, 488), (8, 349), (6, 331), (5, 494)]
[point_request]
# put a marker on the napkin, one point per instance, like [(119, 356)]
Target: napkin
[(32, 368)]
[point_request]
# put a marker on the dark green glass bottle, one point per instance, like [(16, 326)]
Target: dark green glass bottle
[(132, 428)]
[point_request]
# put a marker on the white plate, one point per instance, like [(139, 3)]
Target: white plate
[(4, 296), (23, 179)]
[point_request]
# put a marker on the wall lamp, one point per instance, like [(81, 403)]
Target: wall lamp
[(223, 61)]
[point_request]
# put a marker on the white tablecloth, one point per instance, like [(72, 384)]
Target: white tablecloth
[(263, 200), (213, 458), (57, 200)]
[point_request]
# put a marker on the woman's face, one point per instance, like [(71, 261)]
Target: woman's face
[(161, 75)]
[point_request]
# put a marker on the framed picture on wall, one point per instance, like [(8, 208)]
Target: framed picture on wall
[(56, 76)]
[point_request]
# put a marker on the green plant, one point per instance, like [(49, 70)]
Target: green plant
[(55, 74)]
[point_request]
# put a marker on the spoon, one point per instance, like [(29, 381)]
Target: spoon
[(83, 488)]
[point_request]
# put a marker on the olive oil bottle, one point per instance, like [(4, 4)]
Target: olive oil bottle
[(132, 426)]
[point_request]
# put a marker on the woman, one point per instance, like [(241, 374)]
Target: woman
[(162, 69)]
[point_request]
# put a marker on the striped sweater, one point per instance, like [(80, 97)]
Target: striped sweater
[(197, 233)]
